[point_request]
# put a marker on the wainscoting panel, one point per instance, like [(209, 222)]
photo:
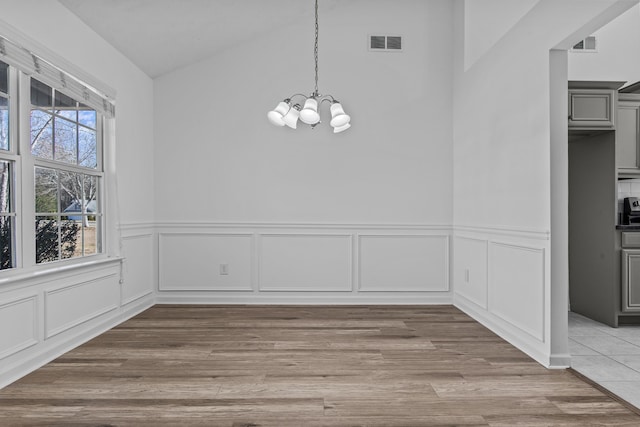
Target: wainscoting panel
[(516, 277), (205, 261), (67, 306), (403, 263), (501, 279), (19, 329), (137, 267), (306, 262), (280, 263), (470, 269)]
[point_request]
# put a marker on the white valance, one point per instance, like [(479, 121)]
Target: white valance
[(32, 64)]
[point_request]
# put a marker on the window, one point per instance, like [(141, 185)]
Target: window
[(7, 214), (65, 144), (51, 162)]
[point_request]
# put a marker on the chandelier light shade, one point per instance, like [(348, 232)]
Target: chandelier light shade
[(309, 113), (338, 117), (277, 115), (341, 128), (291, 118), (287, 113)]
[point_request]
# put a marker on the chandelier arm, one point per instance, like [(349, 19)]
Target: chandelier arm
[(297, 94), (327, 98)]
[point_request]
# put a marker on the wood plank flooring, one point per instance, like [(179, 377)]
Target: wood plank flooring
[(303, 366)]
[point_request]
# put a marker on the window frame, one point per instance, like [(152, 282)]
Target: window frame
[(11, 156), (60, 166), (24, 164), (27, 57)]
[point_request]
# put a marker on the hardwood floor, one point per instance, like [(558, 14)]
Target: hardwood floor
[(303, 366)]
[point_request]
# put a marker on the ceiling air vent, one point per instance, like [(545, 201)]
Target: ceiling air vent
[(385, 43)]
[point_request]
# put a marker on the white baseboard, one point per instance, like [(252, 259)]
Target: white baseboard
[(559, 361), (444, 298), (29, 364), (512, 334)]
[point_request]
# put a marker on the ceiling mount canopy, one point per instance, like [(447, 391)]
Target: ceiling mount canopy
[(288, 112)]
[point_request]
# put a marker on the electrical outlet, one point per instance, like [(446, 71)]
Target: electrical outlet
[(224, 269), (466, 275)]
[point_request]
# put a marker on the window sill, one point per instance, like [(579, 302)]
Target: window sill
[(56, 268)]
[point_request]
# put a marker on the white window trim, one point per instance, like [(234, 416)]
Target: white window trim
[(23, 170)]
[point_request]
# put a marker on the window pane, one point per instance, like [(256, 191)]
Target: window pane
[(4, 123), (71, 238), (6, 242), (41, 94), (90, 234), (70, 192), (91, 220), (87, 148), (87, 116), (4, 77), (66, 106), (5, 187), (90, 194), (66, 146), (47, 239), (46, 183), (41, 134), (590, 43)]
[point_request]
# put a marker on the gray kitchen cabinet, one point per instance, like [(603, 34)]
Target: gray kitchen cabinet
[(604, 255), (628, 136), (592, 105), (592, 108), (631, 280)]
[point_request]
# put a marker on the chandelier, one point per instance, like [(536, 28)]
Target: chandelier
[(287, 112)]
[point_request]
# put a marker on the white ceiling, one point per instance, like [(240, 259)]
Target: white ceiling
[(163, 35)]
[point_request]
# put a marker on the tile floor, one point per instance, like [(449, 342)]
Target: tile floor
[(608, 356)]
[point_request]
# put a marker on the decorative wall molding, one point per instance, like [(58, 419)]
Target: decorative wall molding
[(37, 356), (505, 330), (472, 281), (403, 263), (299, 226), (203, 254), (307, 298), (22, 314), (304, 262), (137, 277), (59, 307), (52, 271), (521, 279), (137, 226), (59, 317), (496, 230), (514, 263)]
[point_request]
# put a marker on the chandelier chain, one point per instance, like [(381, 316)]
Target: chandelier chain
[(288, 112), (315, 51)]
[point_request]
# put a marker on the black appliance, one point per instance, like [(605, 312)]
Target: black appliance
[(631, 211)]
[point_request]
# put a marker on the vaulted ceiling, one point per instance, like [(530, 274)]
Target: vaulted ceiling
[(163, 35)]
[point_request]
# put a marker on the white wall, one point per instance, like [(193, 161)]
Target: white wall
[(503, 171), (485, 22), (60, 309), (222, 169), (616, 59)]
